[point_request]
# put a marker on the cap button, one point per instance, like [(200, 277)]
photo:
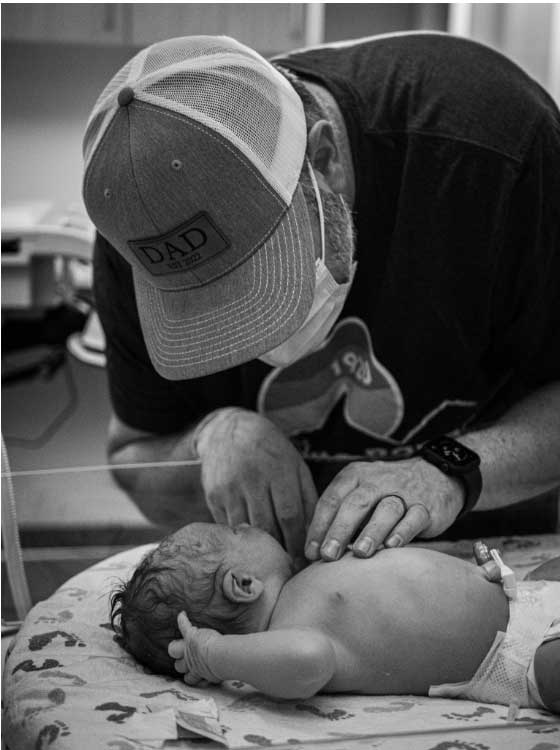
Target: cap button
[(125, 96)]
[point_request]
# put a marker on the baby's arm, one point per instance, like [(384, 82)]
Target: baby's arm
[(288, 663)]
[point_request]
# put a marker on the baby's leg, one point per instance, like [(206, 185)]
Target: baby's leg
[(547, 673), (548, 571), (547, 656)]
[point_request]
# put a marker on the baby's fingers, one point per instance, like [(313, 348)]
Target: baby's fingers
[(184, 624), (176, 649), (193, 679), (180, 666)]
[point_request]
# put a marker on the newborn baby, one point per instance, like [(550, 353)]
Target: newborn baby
[(404, 621)]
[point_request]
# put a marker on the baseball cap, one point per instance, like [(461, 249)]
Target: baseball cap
[(193, 154)]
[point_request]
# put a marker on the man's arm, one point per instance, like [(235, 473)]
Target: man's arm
[(520, 453), (520, 458), (167, 494), (290, 663), (234, 466)]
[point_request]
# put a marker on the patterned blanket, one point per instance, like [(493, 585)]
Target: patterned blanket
[(68, 685)]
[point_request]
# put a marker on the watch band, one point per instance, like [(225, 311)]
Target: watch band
[(472, 482)]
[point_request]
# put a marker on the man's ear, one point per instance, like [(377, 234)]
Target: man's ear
[(241, 587), (324, 155)]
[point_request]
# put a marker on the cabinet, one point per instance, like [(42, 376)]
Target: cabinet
[(267, 27), (98, 23)]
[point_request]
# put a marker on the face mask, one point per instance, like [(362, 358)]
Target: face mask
[(328, 301)]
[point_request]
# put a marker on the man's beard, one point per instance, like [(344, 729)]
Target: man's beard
[(340, 241)]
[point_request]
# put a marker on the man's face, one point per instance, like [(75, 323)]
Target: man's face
[(339, 227)]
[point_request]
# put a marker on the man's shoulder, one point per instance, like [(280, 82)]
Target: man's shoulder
[(429, 83)]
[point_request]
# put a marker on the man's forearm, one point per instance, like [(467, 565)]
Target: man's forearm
[(160, 473), (520, 453)]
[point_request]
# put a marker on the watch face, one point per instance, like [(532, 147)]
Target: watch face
[(449, 454)]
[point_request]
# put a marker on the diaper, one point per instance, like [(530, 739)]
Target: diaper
[(507, 674)]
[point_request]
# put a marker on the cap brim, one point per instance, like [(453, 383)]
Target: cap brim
[(240, 316)]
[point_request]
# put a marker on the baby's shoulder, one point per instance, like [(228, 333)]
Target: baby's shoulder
[(303, 598)]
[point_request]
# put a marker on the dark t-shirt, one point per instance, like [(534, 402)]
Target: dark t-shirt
[(454, 313)]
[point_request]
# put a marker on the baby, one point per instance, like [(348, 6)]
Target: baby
[(407, 620)]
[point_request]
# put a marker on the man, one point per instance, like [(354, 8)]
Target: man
[(351, 290)]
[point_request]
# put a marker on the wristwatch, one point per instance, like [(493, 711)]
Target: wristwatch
[(457, 461)]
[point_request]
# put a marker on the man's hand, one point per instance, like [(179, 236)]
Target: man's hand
[(191, 652), (396, 500), (251, 473)]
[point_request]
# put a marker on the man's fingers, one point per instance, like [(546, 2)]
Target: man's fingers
[(308, 493), (261, 515), (325, 512), (215, 501), (355, 509), (237, 512), (415, 521), (288, 508), (386, 516)]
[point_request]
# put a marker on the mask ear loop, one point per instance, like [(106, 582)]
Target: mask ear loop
[(319, 208)]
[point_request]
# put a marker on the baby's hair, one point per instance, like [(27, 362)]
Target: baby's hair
[(173, 577)]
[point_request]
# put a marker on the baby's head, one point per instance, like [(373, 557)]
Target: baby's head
[(223, 578)]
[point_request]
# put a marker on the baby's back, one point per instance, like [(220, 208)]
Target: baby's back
[(400, 621)]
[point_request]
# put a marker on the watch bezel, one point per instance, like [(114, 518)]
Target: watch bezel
[(432, 451)]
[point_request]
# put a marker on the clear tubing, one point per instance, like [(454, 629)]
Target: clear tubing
[(10, 540)]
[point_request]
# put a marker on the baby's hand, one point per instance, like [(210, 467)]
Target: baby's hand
[(192, 651)]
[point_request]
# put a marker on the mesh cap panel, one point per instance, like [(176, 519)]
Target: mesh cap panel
[(226, 97), (223, 85), (92, 132), (104, 109), (174, 51)]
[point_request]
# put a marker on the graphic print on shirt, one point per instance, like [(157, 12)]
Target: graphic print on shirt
[(299, 398)]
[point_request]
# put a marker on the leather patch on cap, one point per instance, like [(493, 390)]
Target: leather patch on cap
[(184, 248)]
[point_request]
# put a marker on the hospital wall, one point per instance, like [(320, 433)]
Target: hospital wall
[(49, 88)]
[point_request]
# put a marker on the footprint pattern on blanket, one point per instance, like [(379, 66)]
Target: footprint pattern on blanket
[(394, 706), (29, 665), (176, 693), (74, 592), (73, 679), (123, 712), (51, 732), (63, 616), (335, 715), (37, 642), (480, 711), (257, 739), (459, 745)]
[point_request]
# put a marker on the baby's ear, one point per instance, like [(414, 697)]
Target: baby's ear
[(241, 587)]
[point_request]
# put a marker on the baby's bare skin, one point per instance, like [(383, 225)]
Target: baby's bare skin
[(395, 623), (400, 621)]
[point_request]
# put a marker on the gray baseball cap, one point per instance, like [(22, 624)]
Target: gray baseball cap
[(193, 154)]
